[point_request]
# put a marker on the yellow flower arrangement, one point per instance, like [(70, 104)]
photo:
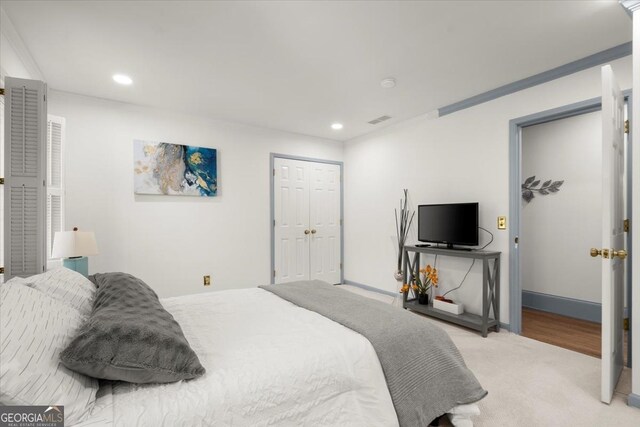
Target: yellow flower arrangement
[(428, 277)]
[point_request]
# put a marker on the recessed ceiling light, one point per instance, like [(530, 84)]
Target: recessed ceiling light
[(122, 79), (336, 126), (388, 83)]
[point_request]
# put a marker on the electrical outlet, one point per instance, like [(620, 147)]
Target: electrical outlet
[(206, 280), (502, 223)]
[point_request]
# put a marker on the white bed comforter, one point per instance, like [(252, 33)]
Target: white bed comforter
[(268, 362)]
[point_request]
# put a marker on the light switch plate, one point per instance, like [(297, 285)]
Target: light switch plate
[(502, 223), (206, 280)]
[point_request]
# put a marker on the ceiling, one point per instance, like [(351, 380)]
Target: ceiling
[(300, 66)]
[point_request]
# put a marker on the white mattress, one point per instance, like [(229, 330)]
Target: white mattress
[(268, 362)]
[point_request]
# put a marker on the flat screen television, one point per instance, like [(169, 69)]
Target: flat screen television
[(452, 224)]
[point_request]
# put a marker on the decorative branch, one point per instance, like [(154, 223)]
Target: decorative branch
[(403, 225), (530, 184)]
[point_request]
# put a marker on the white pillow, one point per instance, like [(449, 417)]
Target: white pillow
[(17, 279), (34, 329), (66, 285)]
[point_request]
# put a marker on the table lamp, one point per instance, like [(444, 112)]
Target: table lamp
[(74, 246)]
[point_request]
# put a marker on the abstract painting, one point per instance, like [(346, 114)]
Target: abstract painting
[(174, 169)]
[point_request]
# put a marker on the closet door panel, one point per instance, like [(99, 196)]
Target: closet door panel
[(291, 214), (325, 218)]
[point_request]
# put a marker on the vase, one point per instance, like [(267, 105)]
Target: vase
[(423, 299), (398, 275), (398, 300)]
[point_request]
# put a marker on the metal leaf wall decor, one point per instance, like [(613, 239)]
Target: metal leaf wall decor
[(530, 187)]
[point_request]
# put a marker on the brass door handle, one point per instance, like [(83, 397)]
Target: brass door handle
[(306, 231), (313, 231), (622, 254), (605, 253)]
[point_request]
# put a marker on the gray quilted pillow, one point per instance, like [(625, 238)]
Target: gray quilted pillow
[(130, 336)]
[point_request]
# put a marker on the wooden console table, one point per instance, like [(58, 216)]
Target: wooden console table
[(490, 287)]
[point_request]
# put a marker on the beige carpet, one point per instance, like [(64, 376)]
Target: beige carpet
[(531, 383)]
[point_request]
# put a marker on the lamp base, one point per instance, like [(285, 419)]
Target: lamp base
[(80, 265)]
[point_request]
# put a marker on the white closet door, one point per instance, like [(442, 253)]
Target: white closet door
[(25, 175), (325, 223), (291, 215)]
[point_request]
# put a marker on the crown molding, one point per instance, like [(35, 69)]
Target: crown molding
[(13, 37), (630, 6), (585, 63)]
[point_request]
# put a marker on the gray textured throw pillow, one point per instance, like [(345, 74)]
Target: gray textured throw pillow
[(130, 336)]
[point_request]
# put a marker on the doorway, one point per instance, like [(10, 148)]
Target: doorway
[(535, 297), (560, 216), (306, 219)]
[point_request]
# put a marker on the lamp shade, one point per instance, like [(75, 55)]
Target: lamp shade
[(67, 244)]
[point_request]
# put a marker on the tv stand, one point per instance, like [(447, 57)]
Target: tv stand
[(455, 248), (490, 287)]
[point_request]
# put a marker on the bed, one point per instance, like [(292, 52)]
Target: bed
[(268, 362)]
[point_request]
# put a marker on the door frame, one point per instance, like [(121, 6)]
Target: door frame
[(515, 179), (272, 158)]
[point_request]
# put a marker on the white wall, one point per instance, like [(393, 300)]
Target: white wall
[(10, 63), (15, 59), (459, 157), (557, 230), (172, 241)]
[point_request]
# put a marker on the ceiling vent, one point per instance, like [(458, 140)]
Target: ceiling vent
[(379, 119)]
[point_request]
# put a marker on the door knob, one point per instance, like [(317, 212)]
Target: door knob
[(313, 231), (306, 231), (604, 252), (622, 254)]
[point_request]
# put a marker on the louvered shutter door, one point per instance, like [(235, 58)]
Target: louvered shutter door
[(25, 172), (55, 182), (2, 237)]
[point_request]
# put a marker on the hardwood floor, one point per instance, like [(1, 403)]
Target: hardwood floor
[(567, 332)]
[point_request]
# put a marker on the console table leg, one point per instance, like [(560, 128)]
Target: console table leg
[(496, 292), (485, 303), (405, 272)]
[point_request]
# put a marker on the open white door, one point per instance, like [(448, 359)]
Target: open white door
[(613, 254)]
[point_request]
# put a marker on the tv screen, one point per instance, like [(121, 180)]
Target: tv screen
[(453, 224)]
